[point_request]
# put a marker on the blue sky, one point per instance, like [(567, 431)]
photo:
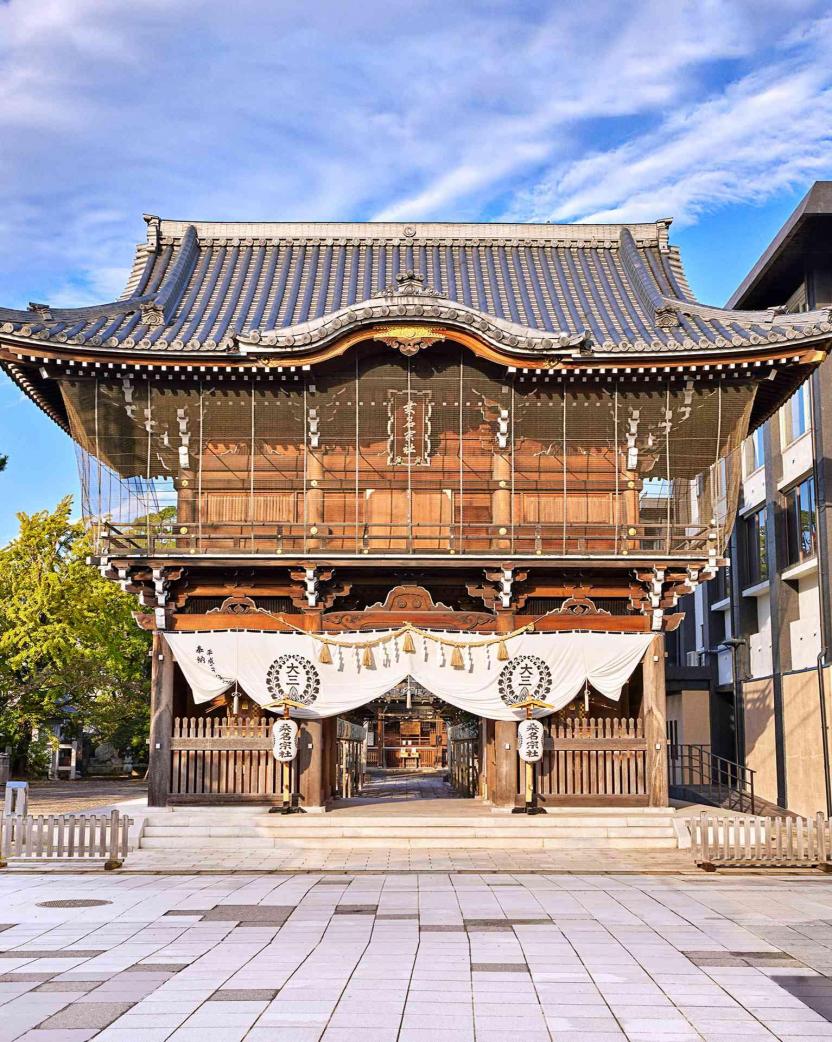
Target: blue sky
[(717, 114)]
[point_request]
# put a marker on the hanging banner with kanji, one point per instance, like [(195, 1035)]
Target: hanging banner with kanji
[(551, 668)]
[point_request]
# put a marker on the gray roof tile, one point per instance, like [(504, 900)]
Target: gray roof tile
[(202, 288)]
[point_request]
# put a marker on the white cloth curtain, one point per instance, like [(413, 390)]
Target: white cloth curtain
[(267, 666)]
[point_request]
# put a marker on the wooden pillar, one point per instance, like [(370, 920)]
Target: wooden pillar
[(161, 721), (310, 764), (501, 501), (314, 500), (654, 715), (504, 792), (329, 767), (505, 747), (489, 764), (482, 781)]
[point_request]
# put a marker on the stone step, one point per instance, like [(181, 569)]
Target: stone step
[(402, 831), (327, 821), (541, 842)]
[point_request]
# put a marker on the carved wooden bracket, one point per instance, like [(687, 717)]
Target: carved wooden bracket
[(313, 587), (153, 586), (502, 590)]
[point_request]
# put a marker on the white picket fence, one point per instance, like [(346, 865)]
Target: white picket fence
[(752, 841), (52, 837)]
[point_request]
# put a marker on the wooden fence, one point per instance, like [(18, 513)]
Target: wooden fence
[(51, 837), (781, 842), (223, 759), (593, 760)]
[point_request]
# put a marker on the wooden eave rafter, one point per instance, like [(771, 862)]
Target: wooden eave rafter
[(808, 351)]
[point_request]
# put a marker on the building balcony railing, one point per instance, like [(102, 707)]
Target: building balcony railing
[(397, 539)]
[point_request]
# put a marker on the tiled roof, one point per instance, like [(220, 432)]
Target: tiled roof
[(529, 289)]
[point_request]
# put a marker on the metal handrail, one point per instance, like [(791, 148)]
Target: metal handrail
[(716, 777)]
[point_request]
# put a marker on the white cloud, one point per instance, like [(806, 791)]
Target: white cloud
[(325, 109), (768, 131)]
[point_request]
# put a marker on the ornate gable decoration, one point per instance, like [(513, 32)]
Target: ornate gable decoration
[(407, 284), (578, 606), (237, 604)]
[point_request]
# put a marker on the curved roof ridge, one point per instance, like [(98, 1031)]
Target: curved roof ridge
[(662, 304), (160, 309), (653, 233)]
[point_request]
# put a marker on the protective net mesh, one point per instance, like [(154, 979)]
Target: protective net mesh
[(440, 452)]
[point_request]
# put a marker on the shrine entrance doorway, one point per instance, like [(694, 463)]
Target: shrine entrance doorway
[(406, 746)]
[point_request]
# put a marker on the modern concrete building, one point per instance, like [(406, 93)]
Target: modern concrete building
[(744, 666)]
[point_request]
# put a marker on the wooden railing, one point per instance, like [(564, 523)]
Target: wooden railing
[(395, 538), (782, 842), (52, 837), (594, 760), (223, 759)]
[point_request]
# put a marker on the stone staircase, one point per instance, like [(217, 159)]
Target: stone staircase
[(564, 828)]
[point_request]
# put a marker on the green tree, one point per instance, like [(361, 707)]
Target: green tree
[(70, 652)]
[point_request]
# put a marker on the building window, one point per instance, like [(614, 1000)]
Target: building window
[(800, 521), (756, 556), (797, 414), (755, 452)]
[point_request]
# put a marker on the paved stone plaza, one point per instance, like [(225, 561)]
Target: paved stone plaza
[(414, 957)]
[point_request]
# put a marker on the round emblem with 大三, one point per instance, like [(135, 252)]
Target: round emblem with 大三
[(293, 678), (524, 678), (530, 740), (285, 736)]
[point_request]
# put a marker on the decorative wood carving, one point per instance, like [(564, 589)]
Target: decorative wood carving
[(408, 603), (237, 604), (409, 339), (409, 598), (376, 620), (580, 606)]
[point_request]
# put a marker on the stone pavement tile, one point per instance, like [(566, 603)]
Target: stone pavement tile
[(75, 987), (595, 1036), (86, 1015), (59, 1035), (588, 1027), (429, 1035), (360, 1035), (242, 994), (291, 1034), (115, 1033), (203, 1034), (790, 1029)]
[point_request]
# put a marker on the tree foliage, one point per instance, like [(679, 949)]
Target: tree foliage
[(70, 653)]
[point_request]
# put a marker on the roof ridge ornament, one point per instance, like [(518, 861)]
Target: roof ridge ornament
[(408, 284)]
